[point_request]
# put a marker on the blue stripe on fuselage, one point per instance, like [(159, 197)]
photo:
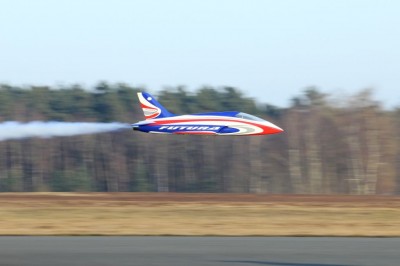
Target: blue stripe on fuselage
[(179, 128)]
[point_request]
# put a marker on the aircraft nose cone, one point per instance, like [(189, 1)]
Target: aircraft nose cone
[(278, 130), (273, 129)]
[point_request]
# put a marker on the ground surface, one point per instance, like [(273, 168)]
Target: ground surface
[(198, 251), (197, 214)]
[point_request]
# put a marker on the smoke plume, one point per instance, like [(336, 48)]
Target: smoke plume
[(40, 129)]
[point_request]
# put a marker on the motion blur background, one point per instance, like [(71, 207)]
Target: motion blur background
[(324, 71)]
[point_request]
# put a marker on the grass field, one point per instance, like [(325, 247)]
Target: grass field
[(197, 214)]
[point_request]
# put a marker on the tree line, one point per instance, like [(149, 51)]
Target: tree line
[(330, 145)]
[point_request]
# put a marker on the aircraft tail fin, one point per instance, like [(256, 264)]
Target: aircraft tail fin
[(151, 108)]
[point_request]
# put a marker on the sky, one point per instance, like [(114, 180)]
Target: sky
[(269, 49)]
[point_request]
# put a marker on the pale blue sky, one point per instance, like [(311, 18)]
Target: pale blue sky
[(271, 50)]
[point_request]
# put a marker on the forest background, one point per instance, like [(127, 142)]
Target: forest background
[(331, 144)]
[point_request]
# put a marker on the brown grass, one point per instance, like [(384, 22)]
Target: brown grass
[(197, 214)]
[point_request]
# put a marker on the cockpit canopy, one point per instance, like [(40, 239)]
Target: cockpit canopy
[(249, 117)]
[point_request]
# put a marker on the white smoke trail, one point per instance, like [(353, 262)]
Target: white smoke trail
[(40, 129)]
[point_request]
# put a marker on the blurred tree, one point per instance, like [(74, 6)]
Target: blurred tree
[(71, 180), (350, 146), (208, 100)]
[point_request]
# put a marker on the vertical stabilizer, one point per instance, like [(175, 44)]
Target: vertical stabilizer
[(151, 108)]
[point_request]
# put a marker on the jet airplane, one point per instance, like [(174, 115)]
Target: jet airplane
[(160, 120)]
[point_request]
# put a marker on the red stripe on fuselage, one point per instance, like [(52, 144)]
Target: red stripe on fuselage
[(203, 120)]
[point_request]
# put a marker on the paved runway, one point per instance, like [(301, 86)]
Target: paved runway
[(196, 251)]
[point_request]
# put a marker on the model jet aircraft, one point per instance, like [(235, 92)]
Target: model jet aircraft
[(159, 120)]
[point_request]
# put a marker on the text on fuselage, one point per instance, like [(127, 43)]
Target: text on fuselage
[(189, 128)]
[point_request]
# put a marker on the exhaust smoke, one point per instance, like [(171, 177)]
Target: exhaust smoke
[(40, 129)]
